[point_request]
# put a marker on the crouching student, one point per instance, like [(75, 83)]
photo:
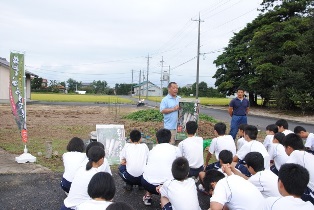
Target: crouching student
[(179, 193), (72, 161), (292, 182), (133, 159), (277, 153), (192, 149), (101, 189), (158, 167)]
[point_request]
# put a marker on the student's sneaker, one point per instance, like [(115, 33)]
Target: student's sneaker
[(201, 189), (147, 200), (128, 187)]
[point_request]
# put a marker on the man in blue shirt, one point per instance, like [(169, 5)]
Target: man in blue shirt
[(169, 107), (238, 110)]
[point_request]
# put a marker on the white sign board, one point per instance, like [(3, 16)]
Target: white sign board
[(113, 138)]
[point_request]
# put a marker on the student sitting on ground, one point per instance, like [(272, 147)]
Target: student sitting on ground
[(72, 161), (263, 179), (158, 167), (192, 149), (295, 150), (292, 181), (133, 159), (270, 132), (101, 189), (241, 141), (221, 142), (179, 193), (283, 126), (78, 192), (119, 206), (231, 192), (250, 134), (277, 153), (309, 142)]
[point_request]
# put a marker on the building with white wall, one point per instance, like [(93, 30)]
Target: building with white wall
[(141, 89)]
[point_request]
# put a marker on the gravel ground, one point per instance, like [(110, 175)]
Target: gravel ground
[(42, 191)]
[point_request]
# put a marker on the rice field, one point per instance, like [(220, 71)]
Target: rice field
[(60, 97)]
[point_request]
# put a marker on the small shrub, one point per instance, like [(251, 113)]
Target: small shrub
[(146, 115), (207, 118)]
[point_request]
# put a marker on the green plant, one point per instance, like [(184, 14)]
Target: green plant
[(146, 115), (207, 118)]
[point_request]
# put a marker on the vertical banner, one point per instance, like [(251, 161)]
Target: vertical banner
[(17, 92), (189, 111)]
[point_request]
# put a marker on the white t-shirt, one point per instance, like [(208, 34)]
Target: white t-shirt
[(310, 141), (240, 142), (306, 160), (72, 161), (286, 202), (266, 182), (268, 141), (93, 205), (159, 163), (192, 149), (254, 146), (286, 132), (220, 143), (237, 193), (278, 154), (105, 167), (136, 158), (78, 191), (181, 194)]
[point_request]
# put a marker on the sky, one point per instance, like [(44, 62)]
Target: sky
[(112, 40)]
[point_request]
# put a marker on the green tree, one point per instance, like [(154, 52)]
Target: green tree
[(123, 89), (36, 83), (73, 84)]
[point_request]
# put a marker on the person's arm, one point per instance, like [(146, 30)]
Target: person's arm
[(216, 206), (235, 159), (208, 156), (230, 111), (247, 110), (169, 110), (236, 172)]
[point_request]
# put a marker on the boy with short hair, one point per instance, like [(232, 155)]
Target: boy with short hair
[(241, 141), (159, 163), (179, 193), (221, 142), (295, 150), (277, 153), (270, 132), (133, 158), (309, 142), (263, 179), (292, 181), (283, 126), (252, 145), (192, 149)]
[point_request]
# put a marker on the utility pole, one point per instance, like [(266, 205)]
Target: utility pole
[(198, 54), (161, 79), (139, 86), (132, 83), (169, 75), (147, 75)]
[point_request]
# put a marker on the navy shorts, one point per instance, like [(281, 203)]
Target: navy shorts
[(128, 178), (65, 185), (167, 206), (149, 187), (195, 171)]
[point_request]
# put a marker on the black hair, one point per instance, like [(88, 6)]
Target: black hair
[(191, 127), (242, 127), (102, 186), (279, 137), (76, 145), (94, 155), (119, 206), (92, 144), (212, 175), (251, 131), (283, 123), (180, 168), (255, 160), (298, 129), (135, 135), (163, 136), (169, 85), (240, 88), (294, 178), (225, 156), (293, 140), (220, 128), (272, 127)]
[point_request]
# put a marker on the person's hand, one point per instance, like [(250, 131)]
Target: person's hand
[(176, 108), (158, 188), (123, 162), (226, 168)]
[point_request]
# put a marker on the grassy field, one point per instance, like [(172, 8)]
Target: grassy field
[(206, 101), (60, 97)]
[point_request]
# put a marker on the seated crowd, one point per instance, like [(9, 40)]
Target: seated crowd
[(275, 173)]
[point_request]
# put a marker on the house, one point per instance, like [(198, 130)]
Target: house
[(141, 89), (5, 80)]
